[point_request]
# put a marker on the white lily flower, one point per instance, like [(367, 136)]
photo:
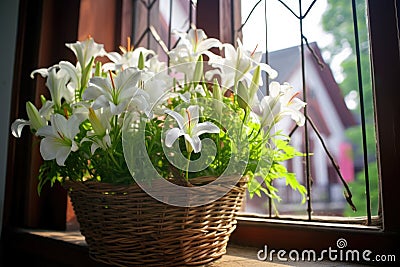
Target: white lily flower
[(156, 66), (189, 128), (128, 59), (157, 89), (237, 65), (85, 50), (100, 137), (268, 110), (196, 42), (75, 74), (291, 105), (282, 101), (56, 82), (191, 45), (58, 141), (117, 92)]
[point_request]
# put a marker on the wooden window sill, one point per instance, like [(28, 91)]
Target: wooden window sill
[(68, 248)]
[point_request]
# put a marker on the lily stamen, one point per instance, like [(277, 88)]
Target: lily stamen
[(189, 118), (254, 51), (60, 135), (112, 79), (129, 44), (293, 97), (66, 113)]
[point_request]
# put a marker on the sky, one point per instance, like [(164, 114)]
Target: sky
[(283, 26)]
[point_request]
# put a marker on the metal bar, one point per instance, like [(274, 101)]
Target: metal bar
[(267, 80), (144, 3), (233, 22), (309, 8), (190, 14), (288, 8), (266, 47), (148, 26), (150, 6), (169, 25), (134, 16), (248, 16), (361, 93), (141, 37), (347, 193), (306, 141)]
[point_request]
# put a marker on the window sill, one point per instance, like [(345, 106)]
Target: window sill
[(68, 248)]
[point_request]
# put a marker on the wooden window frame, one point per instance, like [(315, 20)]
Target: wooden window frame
[(41, 44)]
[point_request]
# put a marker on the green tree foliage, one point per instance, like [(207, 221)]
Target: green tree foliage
[(358, 190), (338, 21)]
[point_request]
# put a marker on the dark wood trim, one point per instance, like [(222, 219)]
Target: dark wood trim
[(31, 51), (126, 21), (386, 68), (44, 28), (208, 17), (18, 150), (214, 17), (385, 58), (101, 19), (26, 249)]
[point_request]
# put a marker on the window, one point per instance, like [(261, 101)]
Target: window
[(41, 43), (322, 49)]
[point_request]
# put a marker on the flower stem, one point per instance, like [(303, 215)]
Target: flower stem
[(187, 167)]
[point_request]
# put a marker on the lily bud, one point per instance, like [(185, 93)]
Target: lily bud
[(141, 61), (217, 94), (97, 71), (254, 84), (198, 71), (243, 96), (36, 121)]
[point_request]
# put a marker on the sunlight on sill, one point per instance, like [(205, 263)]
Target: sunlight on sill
[(327, 221), (237, 256)]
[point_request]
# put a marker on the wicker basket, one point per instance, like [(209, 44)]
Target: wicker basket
[(124, 226)]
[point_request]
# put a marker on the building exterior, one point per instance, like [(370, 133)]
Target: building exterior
[(327, 109)]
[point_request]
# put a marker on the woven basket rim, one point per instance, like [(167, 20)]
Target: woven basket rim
[(243, 179)]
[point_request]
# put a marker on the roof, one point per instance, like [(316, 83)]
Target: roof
[(287, 62)]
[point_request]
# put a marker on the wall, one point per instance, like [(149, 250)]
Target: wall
[(8, 18)]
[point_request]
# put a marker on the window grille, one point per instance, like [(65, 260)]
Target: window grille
[(153, 25), (154, 22), (313, 130)]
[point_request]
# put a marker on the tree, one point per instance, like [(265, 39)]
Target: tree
[(338, 21)]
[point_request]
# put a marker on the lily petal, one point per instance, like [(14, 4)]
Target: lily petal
[(195, 143), (17, 126), (179, 119), (205, 127), (49, 147), (171, 135)]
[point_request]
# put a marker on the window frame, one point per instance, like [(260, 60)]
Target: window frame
[(385, 58), (23, 208)]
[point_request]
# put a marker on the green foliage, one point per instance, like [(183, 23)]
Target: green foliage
[(358, 190), (282, 152), (338, 20), (82, 126)]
